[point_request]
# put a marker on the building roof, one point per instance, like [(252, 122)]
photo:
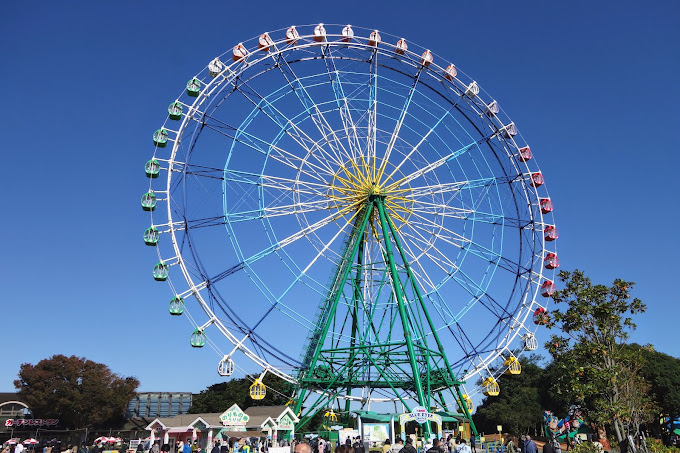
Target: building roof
[(275, 412), (11, 396)]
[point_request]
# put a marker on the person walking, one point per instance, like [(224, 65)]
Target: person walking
[(397, 445), (530, 445), (462, 447), (510, 445), (436, 447), (408, 448), (473, 443), (547, 447)]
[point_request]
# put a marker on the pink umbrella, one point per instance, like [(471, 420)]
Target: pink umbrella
[(30, 442), (12, 441)]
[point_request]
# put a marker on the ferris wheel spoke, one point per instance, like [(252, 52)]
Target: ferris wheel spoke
[(438, 163), (283, 185), (484, 253), (371, 139), (397, 127), (407, 157), (343, 107), (283, 243), (288, 125), (311, 108), (275, 152)]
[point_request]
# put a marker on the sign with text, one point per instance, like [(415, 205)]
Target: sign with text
[(234, 416), (286, 423), (10, 422)]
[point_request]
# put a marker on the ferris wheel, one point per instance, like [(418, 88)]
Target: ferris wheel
[(352, 213)]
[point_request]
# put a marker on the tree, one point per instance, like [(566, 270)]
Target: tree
[(79, 392), (517, 407), (662, 372), (593, 363), (219, 397)]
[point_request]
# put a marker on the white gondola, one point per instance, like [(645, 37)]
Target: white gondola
[(215, 67), (347, 34), (319, 33), (239, 52), (402, 47), (292, 35), (530, 342), (226, 366), (509, 130), (492, 109), (265, 42), (374, 38), (426, 58), (450, 73), (472, 90)]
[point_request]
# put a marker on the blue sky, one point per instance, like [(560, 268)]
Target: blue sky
[(592, 86)]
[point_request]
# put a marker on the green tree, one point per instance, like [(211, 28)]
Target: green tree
[(219, 397), (662, 372), (592, 361), (517, 407), (79, 392)]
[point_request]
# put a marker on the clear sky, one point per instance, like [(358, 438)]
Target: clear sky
[(593, 87)]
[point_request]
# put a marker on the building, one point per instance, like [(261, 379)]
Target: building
[(158, 404)]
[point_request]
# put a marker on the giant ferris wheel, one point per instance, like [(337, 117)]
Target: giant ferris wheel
[(347, 211)]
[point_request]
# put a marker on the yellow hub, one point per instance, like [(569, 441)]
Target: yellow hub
[(355, 182)]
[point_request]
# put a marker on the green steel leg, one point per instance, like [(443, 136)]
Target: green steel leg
[(402, 308)]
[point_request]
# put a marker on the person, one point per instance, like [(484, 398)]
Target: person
[(358, 445), (397, 445), (408, 448), (451, 443), (165, 448), (387, 446), (570, 442), (321, 446), (510, 445), (140, 447), (19, 448), (530, 445), (522, 439), (215, 448), (348, 441), (462, 447), (473, 443), (436, 447), (179, 446), (302, 447), (224, 448), (186, 448), (547, 447), (557, 448), (155, 448)]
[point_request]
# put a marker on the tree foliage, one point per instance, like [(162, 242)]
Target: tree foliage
[(79, 392), (662, 372), (517, 407), (219, 397), (590, 356)]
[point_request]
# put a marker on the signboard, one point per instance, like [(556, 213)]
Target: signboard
[(420, 414), (285, 423), (376, 433), (234, 416), (31, 422), (343, 434)]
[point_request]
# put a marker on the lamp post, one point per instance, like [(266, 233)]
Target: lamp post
[(500, 433)]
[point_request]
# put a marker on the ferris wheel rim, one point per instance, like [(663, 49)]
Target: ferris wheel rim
[(195, 289)]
